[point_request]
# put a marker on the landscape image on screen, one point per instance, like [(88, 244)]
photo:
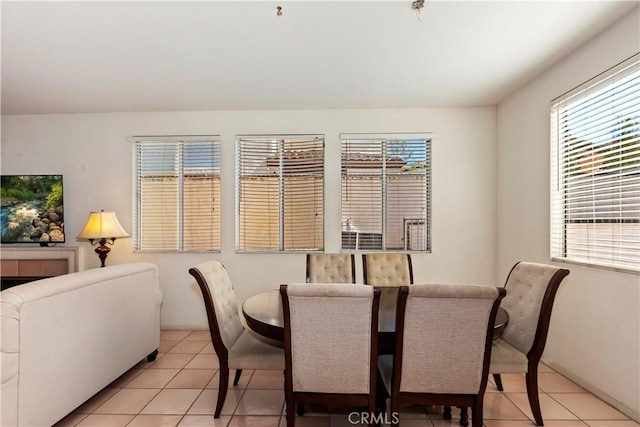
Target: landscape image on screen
[(32, 209)]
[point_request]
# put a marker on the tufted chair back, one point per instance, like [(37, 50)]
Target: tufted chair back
[(330, 345), (433, 364), (331, 268), (443, 346), (387, 269), (530, 289), (220, 302)]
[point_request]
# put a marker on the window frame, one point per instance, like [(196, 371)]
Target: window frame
[(179, 142), (426, 222), (577, 160), (281, 140)]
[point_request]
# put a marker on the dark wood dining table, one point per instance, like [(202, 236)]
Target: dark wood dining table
[(263, 314)]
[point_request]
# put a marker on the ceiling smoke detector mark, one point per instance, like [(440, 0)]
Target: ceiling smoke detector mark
[(417, 5)]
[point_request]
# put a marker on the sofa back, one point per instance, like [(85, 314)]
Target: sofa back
[(74, 333)]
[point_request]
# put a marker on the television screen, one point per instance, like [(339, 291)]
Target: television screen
[(32, 209)]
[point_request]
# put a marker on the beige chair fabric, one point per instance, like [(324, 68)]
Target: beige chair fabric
[(235, 347), (330, 337), (387, 269), (526, 285), (531, 290), (330, 344), (443, 346), (330, 268), (224, 301)]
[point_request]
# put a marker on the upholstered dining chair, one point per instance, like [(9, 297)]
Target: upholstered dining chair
[(531, 290), (331, 268), (235, 347), (443, 346), (330, 345), (387, 269)]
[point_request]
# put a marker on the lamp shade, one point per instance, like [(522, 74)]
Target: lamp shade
[(102, 225)]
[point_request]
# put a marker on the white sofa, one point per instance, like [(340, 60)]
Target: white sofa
[(67, 337)]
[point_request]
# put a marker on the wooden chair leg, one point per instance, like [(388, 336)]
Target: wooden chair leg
[(372, 411), (476, 413), (222, 389), (446, 412), (498, 380), (532, 392), (464, 416), (237, 377), (291, 414), (395, 409)]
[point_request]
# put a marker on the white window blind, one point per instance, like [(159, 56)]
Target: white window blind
[(595, 171), (177, 193), (279, 193), (386, 192)]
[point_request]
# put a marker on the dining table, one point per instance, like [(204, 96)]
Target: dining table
[(263, 315)]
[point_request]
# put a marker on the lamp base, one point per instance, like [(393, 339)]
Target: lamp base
[(102, 250)]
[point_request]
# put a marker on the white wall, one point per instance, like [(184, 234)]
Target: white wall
[(595, 326), (92, 152)]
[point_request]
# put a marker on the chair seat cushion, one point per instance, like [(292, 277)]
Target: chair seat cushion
[(505, 358), (248, 352)]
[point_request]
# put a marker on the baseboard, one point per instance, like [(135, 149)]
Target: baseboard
[(631, 413)]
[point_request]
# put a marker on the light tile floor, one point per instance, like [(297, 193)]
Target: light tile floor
[(180, 389)]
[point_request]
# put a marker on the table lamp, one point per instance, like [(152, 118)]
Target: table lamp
[(102, 227)]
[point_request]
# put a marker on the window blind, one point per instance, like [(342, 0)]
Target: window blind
[(595, 170), (279, 193), (386, 192), (177, 194)]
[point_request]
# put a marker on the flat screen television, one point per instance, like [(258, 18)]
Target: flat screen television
[(32, 209)]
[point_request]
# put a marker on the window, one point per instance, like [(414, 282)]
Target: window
[(280, 193), (595, 171), (177, 193), (386, 192)]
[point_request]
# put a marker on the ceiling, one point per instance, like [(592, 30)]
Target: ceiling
[(74, 57)]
